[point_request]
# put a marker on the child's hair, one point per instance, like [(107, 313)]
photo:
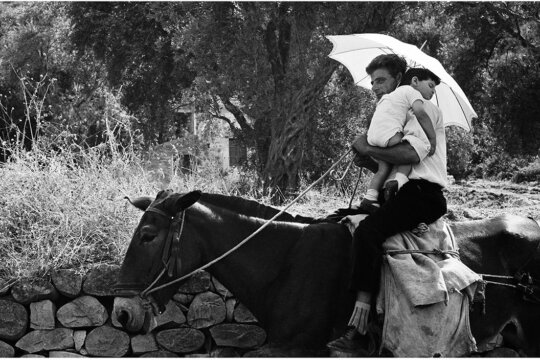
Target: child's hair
[(393, 63), (421, 74)]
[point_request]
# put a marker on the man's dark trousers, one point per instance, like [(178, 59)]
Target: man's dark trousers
[(418, 201)]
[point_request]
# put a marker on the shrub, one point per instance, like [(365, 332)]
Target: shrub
[(459, 145), (531, 172), (500, 166)]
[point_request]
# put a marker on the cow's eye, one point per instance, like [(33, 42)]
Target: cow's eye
[(148, 233), (147, 237)]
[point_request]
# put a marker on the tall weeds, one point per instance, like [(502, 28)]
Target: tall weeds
[(62, 205)]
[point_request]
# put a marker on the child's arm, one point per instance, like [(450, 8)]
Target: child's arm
[(426, 124)]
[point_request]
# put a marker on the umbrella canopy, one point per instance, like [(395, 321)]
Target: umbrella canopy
[(356, 51)]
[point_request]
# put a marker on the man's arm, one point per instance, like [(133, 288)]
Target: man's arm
[(400, 154), (365, 162)]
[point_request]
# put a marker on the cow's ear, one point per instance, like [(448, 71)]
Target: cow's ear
[(185, 201), (141, 203)]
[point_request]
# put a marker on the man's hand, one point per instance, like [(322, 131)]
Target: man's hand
[(360, 145), (365, 161), (359, 317)]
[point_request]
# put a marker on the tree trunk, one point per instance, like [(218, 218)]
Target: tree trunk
[(288, 133), (288, 142)]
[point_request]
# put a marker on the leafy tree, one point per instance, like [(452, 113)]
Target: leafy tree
[(499, 64), (139, 58), (491, 49), (267, 64), (32, 39)]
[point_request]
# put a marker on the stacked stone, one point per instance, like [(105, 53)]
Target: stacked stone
[(71, 316)]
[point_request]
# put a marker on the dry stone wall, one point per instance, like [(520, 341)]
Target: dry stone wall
[(71, 316)]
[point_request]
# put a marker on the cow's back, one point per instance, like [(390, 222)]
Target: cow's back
[(505, 245)]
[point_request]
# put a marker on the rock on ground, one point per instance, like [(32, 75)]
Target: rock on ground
[(67, 282), (42, 315), (227, 352), (241, 336), (79, 336), (221, 289), (243, 315), (230, 305), (33, 356), (6, 350), (27, 291), (141, 344), (183, 340), (82, 312), (39, 340), (207, 309), (100, 281), (64, 354), (14, 320), (159, 354), (172, 315), (183, 299), (198, 283), (106, 341)]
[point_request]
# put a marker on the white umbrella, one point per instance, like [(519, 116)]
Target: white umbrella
[(356, 51)]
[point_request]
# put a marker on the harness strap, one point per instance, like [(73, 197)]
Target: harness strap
[(175, 262), (160, 212), (171, 249), (527, 288)]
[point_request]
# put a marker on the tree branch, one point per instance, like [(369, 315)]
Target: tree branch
[(237, 113)]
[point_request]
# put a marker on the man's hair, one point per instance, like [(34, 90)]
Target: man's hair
[(421, 74), (393, 63)]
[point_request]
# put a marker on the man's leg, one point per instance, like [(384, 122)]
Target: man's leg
[(417, 201)]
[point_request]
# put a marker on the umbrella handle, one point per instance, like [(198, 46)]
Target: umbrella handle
[(340, 178)]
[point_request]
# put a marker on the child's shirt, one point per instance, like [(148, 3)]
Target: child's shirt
[(430, 168), (392, 113)]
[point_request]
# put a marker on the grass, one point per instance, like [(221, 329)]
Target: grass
[(66, 210), (55, 215)]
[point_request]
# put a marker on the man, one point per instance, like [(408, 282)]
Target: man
[(420, 200)]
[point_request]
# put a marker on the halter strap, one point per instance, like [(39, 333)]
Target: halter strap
[(160, 212), (171, 249)]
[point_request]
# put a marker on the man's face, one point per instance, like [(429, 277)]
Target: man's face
[(383, 83)]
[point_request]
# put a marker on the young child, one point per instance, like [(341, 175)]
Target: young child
[(394, 117)]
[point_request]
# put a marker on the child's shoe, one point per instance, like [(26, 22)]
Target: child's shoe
[(390, 189)]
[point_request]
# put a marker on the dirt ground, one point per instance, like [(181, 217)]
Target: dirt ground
[(482, 199), (467, 200)]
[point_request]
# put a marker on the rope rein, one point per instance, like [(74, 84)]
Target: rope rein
[(171, 248), (427, 252), (150, 288)]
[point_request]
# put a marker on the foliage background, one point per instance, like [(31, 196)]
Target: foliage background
[(130, 66), (87, 90)]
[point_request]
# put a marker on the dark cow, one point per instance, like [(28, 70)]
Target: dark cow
[(293, 275)]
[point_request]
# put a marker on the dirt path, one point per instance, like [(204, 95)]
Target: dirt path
[(481, 198), (469, 200)]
